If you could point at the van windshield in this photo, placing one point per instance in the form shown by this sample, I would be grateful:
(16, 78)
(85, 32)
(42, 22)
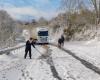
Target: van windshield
(43, 33)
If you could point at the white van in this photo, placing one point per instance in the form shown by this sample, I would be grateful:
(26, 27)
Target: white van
(42, 35)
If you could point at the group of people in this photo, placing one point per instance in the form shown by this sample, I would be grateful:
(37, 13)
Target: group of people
(32, 42)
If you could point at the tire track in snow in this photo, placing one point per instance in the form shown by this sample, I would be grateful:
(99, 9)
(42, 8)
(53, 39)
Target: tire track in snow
(84, 62)
(53, 69)
(51, 63)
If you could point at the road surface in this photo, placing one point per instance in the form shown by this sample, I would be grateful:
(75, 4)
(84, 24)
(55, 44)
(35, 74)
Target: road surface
(55, 64)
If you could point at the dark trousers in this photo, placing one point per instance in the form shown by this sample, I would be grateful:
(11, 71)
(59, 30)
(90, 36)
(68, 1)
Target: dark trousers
(26, 52)
(59, 45)
(62, 44)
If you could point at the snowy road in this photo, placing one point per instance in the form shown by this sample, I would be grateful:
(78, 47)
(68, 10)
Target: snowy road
(56, 65)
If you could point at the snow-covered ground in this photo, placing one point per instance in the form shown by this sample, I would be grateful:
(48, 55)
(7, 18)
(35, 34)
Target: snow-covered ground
(58, 65)
(15, 67)
(71, 69)
(89, 50)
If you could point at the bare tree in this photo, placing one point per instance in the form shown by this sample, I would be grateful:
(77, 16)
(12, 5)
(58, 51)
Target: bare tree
(96, 5)
(42, 21)
(7, 29)
(71, 6)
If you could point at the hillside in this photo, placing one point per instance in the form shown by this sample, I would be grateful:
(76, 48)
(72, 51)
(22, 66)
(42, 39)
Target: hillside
(8, 29)
(77, 26)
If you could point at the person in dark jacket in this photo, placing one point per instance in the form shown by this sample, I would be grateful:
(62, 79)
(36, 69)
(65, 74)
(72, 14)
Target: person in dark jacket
(28, 47)
(62, 40)
(59, 42)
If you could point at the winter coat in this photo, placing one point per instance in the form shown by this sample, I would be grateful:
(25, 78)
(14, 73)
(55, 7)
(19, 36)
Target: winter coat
(28, 45)
(62, 39)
